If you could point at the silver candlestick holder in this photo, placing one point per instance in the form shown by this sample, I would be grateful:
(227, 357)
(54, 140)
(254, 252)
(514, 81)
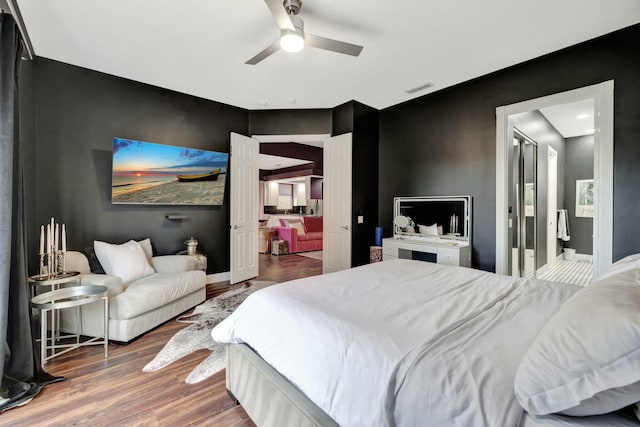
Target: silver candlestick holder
(60, 267)
(44, 271)
(52, 264)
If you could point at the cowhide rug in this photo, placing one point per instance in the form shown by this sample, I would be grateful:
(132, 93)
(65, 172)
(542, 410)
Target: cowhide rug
(198, 335)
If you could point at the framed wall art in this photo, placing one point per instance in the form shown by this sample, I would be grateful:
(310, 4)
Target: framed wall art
(584, 198)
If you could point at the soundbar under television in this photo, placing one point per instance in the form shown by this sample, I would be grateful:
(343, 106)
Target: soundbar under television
(158, 174)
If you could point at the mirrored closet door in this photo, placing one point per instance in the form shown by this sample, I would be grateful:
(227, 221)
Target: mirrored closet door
(523, 206)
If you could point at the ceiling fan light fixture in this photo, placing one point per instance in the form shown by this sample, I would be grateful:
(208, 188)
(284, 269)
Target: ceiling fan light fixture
(292, 41)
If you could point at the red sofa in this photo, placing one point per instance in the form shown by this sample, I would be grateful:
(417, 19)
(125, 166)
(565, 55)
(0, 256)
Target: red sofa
(311, 240)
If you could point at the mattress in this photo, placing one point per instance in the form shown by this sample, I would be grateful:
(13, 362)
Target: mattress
(272, 401)
(400, 342)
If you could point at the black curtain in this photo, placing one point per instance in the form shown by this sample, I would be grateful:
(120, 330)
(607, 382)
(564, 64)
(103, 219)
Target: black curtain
(22, 377)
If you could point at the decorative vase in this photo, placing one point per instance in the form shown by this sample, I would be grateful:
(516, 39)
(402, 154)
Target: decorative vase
(200, 259)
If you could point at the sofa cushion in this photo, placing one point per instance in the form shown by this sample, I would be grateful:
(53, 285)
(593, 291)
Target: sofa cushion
(316, 235)
(112, 283)
(313, 223)
(173, 263)
(127, 261)
(153, 291)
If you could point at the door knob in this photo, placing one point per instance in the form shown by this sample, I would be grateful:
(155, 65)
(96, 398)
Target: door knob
(235, 227)
(346, 227)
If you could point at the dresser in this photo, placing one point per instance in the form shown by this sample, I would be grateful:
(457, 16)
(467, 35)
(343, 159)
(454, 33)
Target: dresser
(441, 251)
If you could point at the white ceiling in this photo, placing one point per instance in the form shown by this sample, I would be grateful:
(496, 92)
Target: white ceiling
(269, 162)
(199, 47)
(572, 119)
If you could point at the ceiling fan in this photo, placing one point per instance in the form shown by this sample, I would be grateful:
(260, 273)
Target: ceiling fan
(292, 35)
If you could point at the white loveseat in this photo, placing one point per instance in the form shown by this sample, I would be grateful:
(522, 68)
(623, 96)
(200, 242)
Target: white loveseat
(140, 305)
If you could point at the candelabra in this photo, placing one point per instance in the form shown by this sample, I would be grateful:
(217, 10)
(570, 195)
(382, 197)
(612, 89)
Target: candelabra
(52, 264)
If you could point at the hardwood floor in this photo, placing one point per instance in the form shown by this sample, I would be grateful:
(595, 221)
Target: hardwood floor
(115, 391)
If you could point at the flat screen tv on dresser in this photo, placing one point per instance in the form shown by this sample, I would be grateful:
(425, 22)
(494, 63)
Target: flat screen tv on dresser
(431, 228)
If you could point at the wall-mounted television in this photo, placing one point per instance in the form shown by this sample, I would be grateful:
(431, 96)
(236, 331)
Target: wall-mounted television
(149, 173)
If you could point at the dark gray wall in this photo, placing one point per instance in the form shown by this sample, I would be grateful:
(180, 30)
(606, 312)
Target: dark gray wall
(536, 126)
(578, 165)
(444, 143)
(78, 112)
(290, 122)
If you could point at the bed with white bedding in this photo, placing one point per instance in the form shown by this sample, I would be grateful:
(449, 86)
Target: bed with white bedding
(396, 343)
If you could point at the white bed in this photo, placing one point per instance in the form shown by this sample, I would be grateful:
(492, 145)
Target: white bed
(401, 342)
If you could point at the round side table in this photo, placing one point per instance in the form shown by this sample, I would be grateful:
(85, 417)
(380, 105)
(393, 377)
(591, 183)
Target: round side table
(69, 278)
(54, 282)
(59, 299)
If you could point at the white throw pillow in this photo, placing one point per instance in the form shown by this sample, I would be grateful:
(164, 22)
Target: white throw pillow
(428, 230)
(298, 225)
(127, 261)
(146, 247)
(586, 358)
(629, 263)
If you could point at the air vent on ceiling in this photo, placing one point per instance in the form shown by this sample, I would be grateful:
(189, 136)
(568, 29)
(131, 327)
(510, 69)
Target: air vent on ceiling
(424, 86)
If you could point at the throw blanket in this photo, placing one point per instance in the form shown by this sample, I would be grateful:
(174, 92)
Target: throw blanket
(400, 342)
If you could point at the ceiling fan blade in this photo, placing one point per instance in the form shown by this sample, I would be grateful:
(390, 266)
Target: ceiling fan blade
(332, 45)
(281, 15)
(270, 50)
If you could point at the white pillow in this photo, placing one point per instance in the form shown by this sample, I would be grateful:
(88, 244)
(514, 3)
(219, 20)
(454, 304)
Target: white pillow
(298, 225)
(586, 358)
(146, 247)
(631, 262)
(428, 230)
(127, 261)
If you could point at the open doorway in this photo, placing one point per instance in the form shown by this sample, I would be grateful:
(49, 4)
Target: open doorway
(552, 232)
(291, 196)
(599, 227)
(336, 211)
(246, 209)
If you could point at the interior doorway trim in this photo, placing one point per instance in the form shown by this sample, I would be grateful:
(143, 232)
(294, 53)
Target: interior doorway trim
(602, 95)
(552, 205)
(309, 139)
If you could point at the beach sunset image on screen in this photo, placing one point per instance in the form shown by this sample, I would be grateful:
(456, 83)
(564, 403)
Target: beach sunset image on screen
(149, 173)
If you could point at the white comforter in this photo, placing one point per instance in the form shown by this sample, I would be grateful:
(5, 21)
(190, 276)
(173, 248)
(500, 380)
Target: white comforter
(400, 342)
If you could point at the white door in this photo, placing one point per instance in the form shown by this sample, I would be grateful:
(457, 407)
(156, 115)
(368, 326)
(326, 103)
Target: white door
(244, 207)
(337, 204)
(552, 207)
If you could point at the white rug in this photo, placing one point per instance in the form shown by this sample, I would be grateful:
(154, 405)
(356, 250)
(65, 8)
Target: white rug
(312, 254)
(198, 335)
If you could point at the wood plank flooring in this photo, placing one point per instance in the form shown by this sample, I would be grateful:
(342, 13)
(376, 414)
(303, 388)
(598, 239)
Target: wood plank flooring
(115, 391)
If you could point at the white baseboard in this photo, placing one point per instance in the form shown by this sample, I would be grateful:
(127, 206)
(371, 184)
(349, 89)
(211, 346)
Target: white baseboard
(542, 270)
(219, 277)
(578, 257)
